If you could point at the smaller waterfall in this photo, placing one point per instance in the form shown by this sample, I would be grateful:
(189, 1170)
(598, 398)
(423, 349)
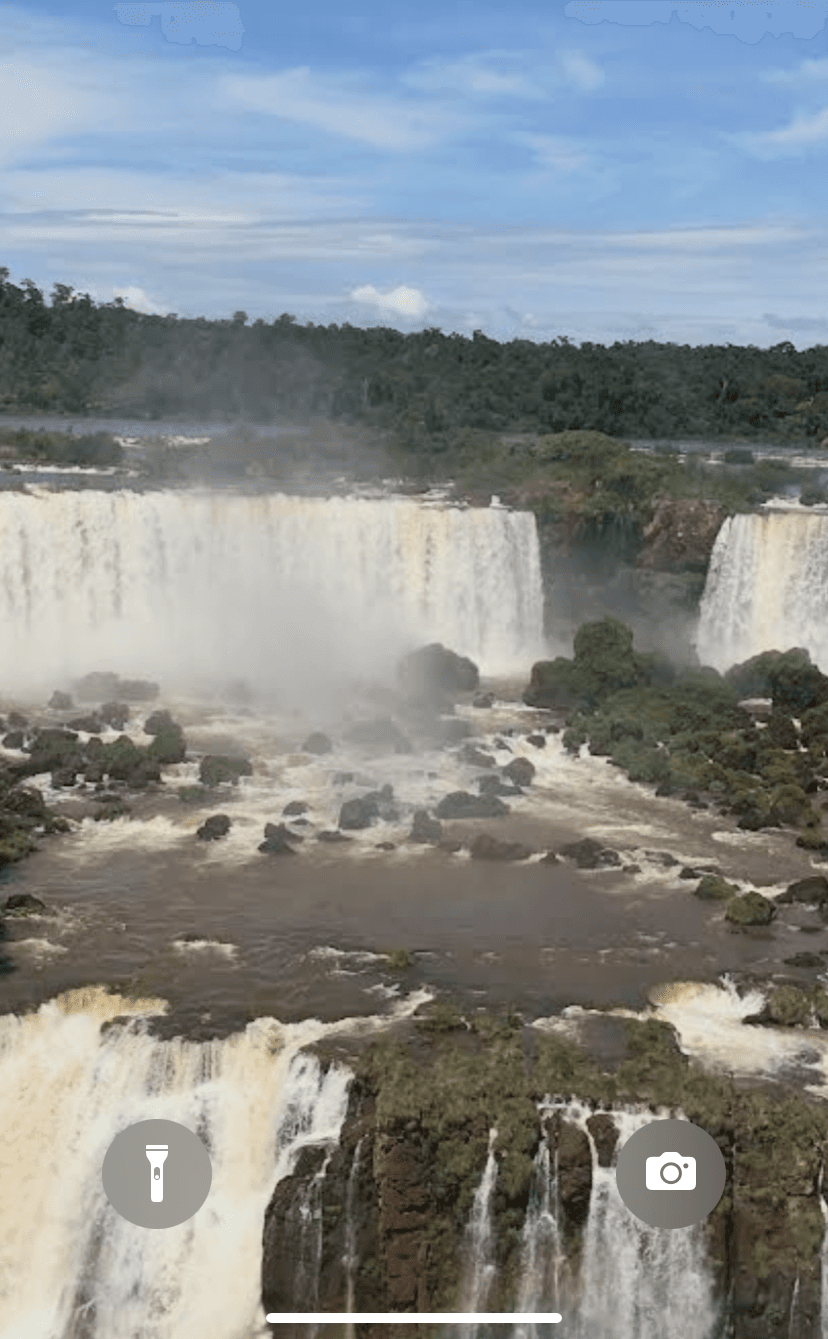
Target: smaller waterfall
(350, 1258)
(638, 1280)
(542, 1255)
(480, 1242)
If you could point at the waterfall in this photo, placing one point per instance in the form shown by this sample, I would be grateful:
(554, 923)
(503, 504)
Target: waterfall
(350, 1261)
(70, 1266)
(541, 1249)
(192, 587)
(766, 589)
(480, 1267)
(637, 1280)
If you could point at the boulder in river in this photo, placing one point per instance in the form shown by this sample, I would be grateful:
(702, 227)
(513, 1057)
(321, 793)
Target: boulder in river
(460, 804)
(487, 847)
(750, 909)
(435, 674)
(90, 724)
(475, 757)
(814, 889)
(492, 785)
(214, 827)
(425, 829)
(590, 854)
(358, 813)
(115, 714)
(711, 888)
(23, 904)
(520, 771)
(295, 807)
(278, 840)
(216, 768)
(483, 701)
(317, 743)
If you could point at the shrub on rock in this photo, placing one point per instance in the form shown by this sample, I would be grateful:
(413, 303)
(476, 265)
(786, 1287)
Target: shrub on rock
(460, 804)
(712, 888)
(168, 746)
(750, 909)
(216, 768)
(520, 771)
(812, 889)
(590, 854)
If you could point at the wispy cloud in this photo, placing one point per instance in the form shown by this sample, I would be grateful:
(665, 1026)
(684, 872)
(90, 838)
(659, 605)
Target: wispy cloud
(815, 70)
(330, 106)
(581, 71)
(401, 301)
(485, 74)
(42, 100)
(805, 131)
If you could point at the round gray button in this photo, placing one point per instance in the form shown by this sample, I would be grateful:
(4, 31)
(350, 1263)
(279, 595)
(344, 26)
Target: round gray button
(670, 1173)
(156, 1173)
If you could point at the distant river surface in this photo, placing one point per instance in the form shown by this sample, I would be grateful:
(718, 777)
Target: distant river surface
(128, 427)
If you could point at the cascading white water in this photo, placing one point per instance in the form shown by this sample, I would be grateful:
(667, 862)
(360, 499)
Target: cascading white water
(637, 1280)
(542, 1254)
(480, 1267)
(351, 1260)
(284, 592)
(70, 1266)
(766, 589)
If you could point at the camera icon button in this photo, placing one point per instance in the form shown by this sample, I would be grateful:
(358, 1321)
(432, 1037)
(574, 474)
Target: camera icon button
(670, 1173)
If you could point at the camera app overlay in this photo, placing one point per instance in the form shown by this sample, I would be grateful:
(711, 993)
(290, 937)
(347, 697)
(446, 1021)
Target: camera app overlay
(671, 1173)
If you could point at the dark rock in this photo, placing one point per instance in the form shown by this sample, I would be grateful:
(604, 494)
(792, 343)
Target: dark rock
(342, 778)
(60, 701)
(694, 872)
(18, 721)
(486, 847)
(64, 777)
(329, 835)
(434, 673)
(381, 733)
(605, 1134)
(550, 859)
(295, 807)
(537, 741)
(217, 768)
(385, 846)
(109, 812)
(475, 757)
(483, 701)
(91, 724)
(460, 804)
(23, 904)
(277, 840)
(425, 829)
(501, 744)
(158, 722)
(805, 960)
(94, 772)
(281, 830)
(750, 909)
(590, 854)
(492, 785)
(214, 827)
(812, 889)
(358, 813)
(317, 743)
(15, 739)
(681, 535)
(97, 687)
(115, 714)
(26, 801)
(662, 858)
(520, 771)
(451, 845)
(169, 746)
(713, 889)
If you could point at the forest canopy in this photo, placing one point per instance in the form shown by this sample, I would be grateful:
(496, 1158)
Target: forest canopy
(73, 355)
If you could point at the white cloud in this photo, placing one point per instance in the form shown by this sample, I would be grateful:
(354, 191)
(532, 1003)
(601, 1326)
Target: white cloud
(475, 74)
(581, 71)
(807, 69)
(805, 131)
(307, 99)
(555, 152)
(139, 300)
(44, 101)
(401, 301)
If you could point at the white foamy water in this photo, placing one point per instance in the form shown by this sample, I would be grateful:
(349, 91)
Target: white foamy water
(69, 1264)
(288, 593)
(766, 588)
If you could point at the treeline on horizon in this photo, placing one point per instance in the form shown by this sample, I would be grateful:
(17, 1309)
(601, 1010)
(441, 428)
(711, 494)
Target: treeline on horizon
(71, 355)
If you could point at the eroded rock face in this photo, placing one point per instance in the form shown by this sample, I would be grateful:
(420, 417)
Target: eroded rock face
(681, 535)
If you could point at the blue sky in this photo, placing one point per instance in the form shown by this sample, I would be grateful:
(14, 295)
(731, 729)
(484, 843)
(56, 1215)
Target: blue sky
(603, 169)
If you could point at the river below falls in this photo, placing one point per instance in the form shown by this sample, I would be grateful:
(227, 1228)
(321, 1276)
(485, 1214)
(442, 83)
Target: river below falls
(226, 934)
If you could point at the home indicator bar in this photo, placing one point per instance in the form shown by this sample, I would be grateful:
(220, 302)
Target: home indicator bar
(413, 1318)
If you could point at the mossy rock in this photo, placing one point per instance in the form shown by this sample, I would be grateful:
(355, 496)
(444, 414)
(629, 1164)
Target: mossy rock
(750, 909)
(712, 888)
(788, 1006)
(781, 731)
(16, 845)
(216, 768)
(556, 684)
